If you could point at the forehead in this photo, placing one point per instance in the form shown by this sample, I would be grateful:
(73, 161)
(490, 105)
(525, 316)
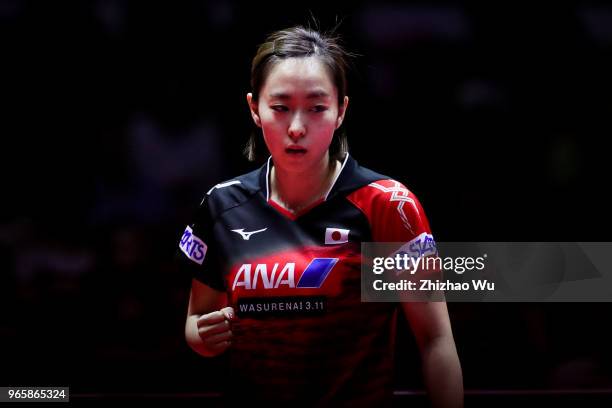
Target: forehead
(298, 75)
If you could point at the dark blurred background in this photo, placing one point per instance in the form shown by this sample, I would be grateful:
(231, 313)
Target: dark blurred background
(118, 116)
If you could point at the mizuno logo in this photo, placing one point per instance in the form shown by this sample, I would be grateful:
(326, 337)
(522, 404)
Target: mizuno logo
(247, 234)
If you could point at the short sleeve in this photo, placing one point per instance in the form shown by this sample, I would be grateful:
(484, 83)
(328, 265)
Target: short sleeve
(197, 253)
(394, 214)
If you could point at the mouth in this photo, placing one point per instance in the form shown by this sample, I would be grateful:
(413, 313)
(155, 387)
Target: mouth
(295, 150)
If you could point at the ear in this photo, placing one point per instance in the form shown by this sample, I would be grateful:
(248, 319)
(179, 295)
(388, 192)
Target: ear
(254, 109)
(342, 112)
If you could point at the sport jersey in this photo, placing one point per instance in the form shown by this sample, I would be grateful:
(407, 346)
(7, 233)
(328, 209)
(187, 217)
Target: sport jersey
(301, 332)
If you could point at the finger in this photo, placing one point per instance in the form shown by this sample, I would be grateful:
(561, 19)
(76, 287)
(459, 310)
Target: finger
(228, 312)
(211, 318)
(220, 327)
(219, 338)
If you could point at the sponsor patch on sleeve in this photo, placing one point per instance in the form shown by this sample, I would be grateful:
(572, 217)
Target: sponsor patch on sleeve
(420, 246)
(192, 246)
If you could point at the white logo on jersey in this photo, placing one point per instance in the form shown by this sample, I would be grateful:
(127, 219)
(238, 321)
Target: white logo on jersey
(246, 235)
(269, 281)
(336, 236)
(401, 195)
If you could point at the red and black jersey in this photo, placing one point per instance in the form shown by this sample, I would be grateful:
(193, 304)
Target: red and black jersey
(302, 333)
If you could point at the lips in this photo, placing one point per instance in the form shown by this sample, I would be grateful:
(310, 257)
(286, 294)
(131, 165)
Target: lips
(295, 149)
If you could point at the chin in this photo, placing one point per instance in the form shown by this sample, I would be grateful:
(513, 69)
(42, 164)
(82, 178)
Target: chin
(293, 166)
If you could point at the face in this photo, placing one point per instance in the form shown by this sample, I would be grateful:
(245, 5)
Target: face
(298, 112)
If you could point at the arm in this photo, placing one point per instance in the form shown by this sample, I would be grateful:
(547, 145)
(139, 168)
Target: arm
(430, 324)
(396, 215)
(208, 329)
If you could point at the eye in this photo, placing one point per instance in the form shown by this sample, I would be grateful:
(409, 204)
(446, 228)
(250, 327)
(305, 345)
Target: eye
(319, 108)
(279, 108)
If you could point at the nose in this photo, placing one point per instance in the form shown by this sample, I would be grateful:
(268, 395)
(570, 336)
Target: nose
(297, 127)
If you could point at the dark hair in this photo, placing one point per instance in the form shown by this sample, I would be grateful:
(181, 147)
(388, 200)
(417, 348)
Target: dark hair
(296, 42)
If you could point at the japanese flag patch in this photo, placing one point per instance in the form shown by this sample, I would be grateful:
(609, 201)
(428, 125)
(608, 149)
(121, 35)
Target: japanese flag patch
(336, 236)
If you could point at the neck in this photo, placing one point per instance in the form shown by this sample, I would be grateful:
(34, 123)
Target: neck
(298, 190)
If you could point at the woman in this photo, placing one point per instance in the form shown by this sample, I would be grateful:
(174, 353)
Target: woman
(275, 253)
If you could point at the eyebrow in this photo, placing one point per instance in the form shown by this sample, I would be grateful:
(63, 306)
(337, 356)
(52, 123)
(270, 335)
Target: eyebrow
(310, 95)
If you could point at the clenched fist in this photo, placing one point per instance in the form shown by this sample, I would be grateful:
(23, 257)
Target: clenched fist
(215, 330)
